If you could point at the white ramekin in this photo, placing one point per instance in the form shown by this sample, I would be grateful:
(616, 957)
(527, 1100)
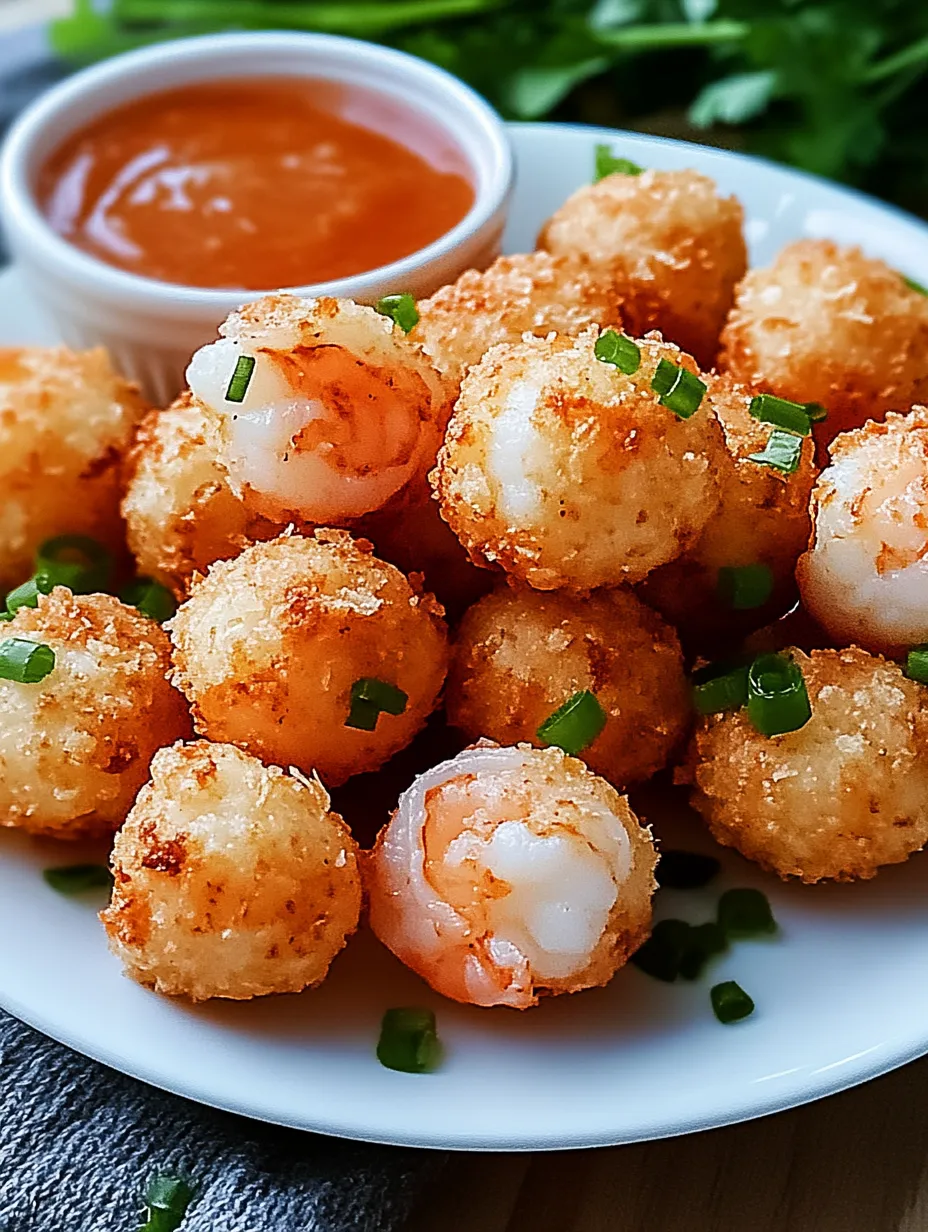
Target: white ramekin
(151, 328)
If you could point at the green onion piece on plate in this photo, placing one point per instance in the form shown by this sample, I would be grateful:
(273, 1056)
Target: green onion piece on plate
(914, 286)
(166, 1202)
(370, 698)
(782, 452)
(78, 878)
(916, 664)
(618, 350)
(150, 597)
(608, 163)
(743, 587)
(720, 687)
(730, 1002)
(745, 913)
(81, 564)
(409, 1041)
(793, 416)
(816, 412)
(662, 953)
(685, 870)
(575, 725)
(678, 388)
(25, 662)
(401, 309)
(27, 595)
(241, 378)
(777, 698)
(706, 941)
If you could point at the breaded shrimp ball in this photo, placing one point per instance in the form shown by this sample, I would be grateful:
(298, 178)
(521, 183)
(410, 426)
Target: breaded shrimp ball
(521, 654)
(830, 325)
(835, 800)
(567, 472)
(333, 410)
(509, 874)
(536, 293)
(270, 646)
(66, 418)
(673, 245)
(865, 575)
(232, 879)
(76, 746)
(762, 519)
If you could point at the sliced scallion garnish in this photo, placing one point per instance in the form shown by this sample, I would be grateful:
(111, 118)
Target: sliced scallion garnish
(401, 309)
(150, 597)
(618, 350)
(719, 687)
(241, 378)
(778, 701)
(25, 662)
(608, 163)
(575, 725)
(730, 1002)
(743, 587)
(27, 594)
(816, 412)
(914, 286)
(685, 870)
(705, 942)
(678, 389)
(662, 953)
(78, 878)
(409, 1041)
(370, 698)
(792, 416)
(78, 562)
(166, 1202)
(916, 664)
(782, 452)
(745, 913)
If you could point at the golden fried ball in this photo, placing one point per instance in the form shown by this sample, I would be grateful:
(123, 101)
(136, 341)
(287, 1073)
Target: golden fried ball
(76, 747)
(762, 519)
(521, 654)
(568, 473)
(65, 420)
(232, 879)
(536, 293)
(673, 245)
(835, 800)
(827, 324)
(181, 513)
(268, 647)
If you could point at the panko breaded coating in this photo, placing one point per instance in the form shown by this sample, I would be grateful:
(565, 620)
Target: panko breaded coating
(268, 647)
(66, 419)
(181, 513)
(520, 654)
(828, 324)
(535, 293)
(837, 799)
(232, 879)
(567, 472)
(762, 519)
(865, 575)
(673, 245)
(75, 748)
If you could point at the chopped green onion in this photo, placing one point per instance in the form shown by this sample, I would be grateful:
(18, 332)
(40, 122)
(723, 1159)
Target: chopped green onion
(166, 1202)
(782, 452)
(619, 350)
(685, 870)
(662, 953)
(75, 561)
(77, 878)
(401, 309)
(575, 725)
(6, 615)
(816, 412)
(150, 597)
(914, 286)
(730, 1002)
(678, 388)
(745, 913)
(369, 698)
(27, 595)
(705, 942)
(720, 687)
(777, 698)
(743, 587)
(608, 163)
(241, 378)
(409, 1041)
(25, 662)
(793, 416)
(916, 664)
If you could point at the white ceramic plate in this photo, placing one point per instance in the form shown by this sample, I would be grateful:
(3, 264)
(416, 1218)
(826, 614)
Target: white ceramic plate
(841, 995)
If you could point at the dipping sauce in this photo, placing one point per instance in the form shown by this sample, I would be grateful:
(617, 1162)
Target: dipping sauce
(256, 184)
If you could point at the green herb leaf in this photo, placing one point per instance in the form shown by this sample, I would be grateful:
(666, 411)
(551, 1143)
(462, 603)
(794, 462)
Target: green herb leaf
(72, 879)
(370, 698)
(401, 309)
(733, 100)
(166, 1202)
(608, 163)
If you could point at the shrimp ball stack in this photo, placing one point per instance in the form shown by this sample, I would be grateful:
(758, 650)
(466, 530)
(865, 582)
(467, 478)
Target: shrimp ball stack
(672, 244)
(865, 575)
(762, 523)
(65, 420)
(507, 874)
(322, 409)
(232, 879)
(834, 800)
(520, 655)
(827, 324)
(569, 472)
(536, 293)
(75, 746)
(273, 650)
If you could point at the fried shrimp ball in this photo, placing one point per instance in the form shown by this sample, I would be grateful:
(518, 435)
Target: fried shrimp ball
(334, 411)
(567, 472)
(509, 874)
(672, 244)
(521, 654)
(865, 575)
(269, 646)
(76, 747)
(762, 519)
(839, 798)
(65, 420)
(827, 324)
(232, 879)
(536, 293)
